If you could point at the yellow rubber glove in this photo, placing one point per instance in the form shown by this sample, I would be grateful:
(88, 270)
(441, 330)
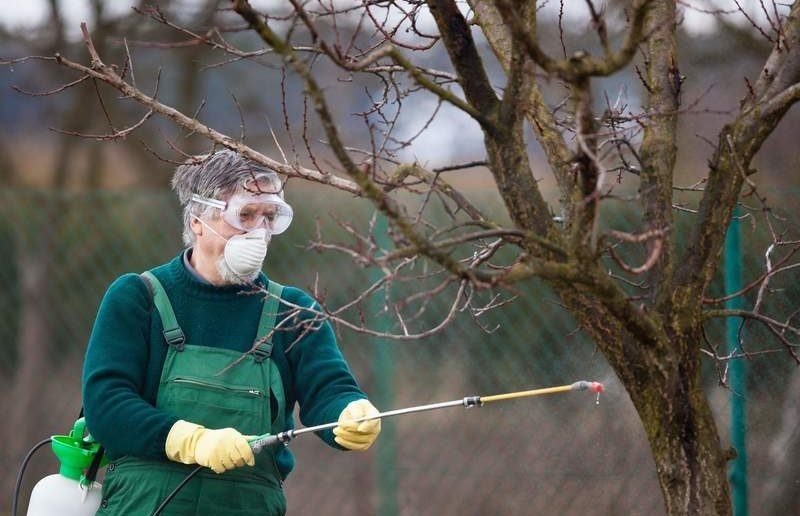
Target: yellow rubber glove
(219, 450)
(357, 435)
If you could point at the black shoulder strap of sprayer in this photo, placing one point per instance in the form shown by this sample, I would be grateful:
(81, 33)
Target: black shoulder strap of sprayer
(94, 466)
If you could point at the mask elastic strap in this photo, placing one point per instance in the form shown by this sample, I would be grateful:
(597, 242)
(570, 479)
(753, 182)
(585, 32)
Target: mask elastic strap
(201, 221)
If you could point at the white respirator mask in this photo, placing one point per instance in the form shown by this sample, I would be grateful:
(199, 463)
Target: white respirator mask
(244, 254)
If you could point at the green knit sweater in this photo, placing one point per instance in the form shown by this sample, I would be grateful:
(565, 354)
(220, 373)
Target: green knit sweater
(126, 353)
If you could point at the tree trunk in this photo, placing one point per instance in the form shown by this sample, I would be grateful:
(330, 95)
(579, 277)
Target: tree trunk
(690, 462)
(663, 379)
(668, 396)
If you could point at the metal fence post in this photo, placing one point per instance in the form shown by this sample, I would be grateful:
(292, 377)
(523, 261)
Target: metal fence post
(737, 369)
(386, 453)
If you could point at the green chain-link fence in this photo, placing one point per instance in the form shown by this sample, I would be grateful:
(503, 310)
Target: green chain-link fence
(562, 454)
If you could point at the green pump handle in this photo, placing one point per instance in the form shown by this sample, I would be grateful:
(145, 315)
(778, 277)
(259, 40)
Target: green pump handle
(76, 451)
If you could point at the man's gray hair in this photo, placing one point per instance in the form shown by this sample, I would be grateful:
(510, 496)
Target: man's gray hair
(216, 176)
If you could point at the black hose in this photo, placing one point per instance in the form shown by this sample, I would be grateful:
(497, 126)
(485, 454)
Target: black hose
(21, 473)
(175, 491)
(26, 460)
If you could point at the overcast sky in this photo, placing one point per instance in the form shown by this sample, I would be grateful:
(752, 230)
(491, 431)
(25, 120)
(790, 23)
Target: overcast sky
(29, 13)
(15, 13)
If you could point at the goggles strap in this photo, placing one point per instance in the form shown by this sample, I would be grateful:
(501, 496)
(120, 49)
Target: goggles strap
(209, 202)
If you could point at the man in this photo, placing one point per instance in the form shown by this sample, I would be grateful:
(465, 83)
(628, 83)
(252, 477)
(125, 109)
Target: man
(189, 360)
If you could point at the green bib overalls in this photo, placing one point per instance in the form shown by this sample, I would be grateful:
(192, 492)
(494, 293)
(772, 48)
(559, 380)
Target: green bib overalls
(216, 388)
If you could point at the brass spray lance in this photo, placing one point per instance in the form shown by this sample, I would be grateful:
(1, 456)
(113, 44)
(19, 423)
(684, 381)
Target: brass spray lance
(259, 442)
(285, 437)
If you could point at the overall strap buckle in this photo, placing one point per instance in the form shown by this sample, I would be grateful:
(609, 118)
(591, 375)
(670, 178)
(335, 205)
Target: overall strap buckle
(175, 338)
(262, 352)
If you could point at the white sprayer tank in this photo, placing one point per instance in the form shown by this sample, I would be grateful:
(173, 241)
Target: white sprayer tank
(69, 493)
(57, 495)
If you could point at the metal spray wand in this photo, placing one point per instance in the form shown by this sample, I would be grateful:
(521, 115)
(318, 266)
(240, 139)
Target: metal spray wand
(261, 441)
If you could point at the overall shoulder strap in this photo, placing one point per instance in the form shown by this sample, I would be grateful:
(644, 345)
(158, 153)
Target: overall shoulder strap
(269, 315)
(270, 309)
(172, 331)
(266, 329)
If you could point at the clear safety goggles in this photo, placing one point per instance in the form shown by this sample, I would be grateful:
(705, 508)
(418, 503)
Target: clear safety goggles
(247, 211)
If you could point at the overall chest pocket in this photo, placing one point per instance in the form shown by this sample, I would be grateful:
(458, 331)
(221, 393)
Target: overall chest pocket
(200, 385)
(215, 406)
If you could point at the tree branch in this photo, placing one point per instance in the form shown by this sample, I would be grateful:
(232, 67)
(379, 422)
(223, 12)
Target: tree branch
(534, 106)
(658, 150)
(467, 62)
(581, 65)
(365, 184)
(737, 144)
(106, 74)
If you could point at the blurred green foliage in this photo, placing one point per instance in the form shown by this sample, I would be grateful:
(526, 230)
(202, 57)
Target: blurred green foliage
(85, 240)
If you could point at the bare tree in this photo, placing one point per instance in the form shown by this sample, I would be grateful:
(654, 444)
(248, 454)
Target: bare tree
(648, 318)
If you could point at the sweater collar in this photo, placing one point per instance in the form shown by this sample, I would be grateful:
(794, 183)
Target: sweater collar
(196, 282)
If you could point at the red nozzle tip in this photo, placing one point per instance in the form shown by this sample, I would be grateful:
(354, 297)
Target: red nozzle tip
(596, 387)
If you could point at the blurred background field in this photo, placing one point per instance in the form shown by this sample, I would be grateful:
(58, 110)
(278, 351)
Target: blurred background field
(555, 454)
